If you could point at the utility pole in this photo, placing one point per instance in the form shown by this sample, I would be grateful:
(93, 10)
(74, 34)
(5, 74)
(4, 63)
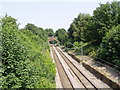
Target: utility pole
(82, 50)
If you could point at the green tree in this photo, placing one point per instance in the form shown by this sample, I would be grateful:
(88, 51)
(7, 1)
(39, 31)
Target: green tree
(78, 29)
(62, 35)
(105, 17)
(92, 29)
(49, 32)
(37, 30)
(110, 47)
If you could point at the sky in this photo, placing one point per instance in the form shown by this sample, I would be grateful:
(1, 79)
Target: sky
(53, 14)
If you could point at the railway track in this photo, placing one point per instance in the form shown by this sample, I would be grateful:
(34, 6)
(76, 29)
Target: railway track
(73, 75)
(63, 76)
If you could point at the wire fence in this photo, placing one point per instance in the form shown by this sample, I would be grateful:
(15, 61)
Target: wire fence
(104, 63)
(111, 66)
(113, 73)
(100, 61)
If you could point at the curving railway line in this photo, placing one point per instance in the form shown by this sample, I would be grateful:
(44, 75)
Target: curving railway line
(74, 75)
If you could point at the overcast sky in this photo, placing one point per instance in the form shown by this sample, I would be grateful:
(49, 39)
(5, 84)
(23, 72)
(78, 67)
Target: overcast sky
(53, 14)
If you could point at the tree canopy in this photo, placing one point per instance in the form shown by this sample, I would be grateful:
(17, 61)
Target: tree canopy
(98, 33)
(62, 35)
(50, 32)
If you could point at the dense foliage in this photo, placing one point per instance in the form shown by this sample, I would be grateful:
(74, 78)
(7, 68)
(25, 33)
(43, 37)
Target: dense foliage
(53, 42)
(49, 32)
(98, 33)
(62, 35)
(105, 17)
(110, 46)
(38, 31)
(78, 29)
(93, 28)
(25, 57)
(25, 52)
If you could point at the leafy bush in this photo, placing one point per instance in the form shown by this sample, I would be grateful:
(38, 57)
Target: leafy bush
(61, 35)
(90, 50)
(110, 46)
(49, 32)
(68, 44)
(53, 42)
(78, 45)
(25, 58)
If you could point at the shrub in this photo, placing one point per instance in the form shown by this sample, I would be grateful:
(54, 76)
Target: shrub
(53, 42)
(25, 58)
(110, 47)
(68, 44)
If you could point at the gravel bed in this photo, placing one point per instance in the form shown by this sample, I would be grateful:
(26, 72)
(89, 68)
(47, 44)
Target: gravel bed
(109, 72)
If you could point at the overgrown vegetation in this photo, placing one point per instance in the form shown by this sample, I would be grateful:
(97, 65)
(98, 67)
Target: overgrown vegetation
(25, 54)
(25, 57)
(110, 47)
(98, 33)
(49, 32)
(53, 42)
(62, 35)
